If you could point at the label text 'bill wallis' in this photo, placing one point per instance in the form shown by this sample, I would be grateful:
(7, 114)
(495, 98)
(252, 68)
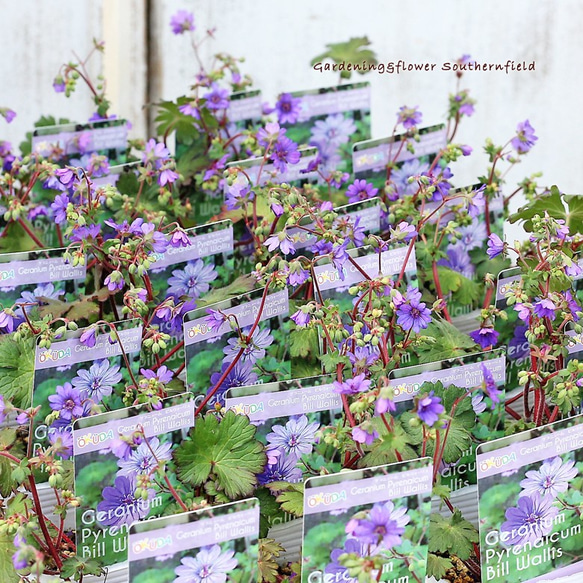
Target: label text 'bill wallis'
(398, 67)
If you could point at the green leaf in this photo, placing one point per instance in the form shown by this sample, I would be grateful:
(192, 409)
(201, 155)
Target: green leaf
(331, 360)
(243, 284)
(303, 342)
(226, 453)
(437, 566)
(551, 204)
(7, 572)
(170, 118)
(352, 51)
(17, 370)
(268, 567)
(385, 448)
(463, 289)
(7, 483)
(454, 535)
(449, 342)
(291, 497)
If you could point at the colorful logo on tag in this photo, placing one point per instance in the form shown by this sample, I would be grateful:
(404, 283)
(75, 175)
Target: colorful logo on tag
(94, 438)
(251, 409)
(198, 330)
(411, 389)
(7, 274)
(326, 498)
(151, 544)
(497, 461)
(54, 355)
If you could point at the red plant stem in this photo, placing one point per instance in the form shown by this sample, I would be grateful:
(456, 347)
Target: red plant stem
(409, 251)
(438, 290)
(43, 524)
(31, 234)
(512, 413)
(554, 414)
(169, 355)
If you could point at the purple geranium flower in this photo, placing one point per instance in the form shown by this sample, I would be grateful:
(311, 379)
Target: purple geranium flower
(6, 321)
(180, 238)
(192, 281)
(269, 133)
(360, 190)
(163, 375)
(525, 138)
(88, 337)
(182, 22)
(550, 479)
(217, 98)
(143, 461)
(285, 152)
(68, 401)
(301, 318)
(240, 375)
(361, 435)
(458, 259)
(334, 130)
(429, 408)
(489, 385)
(401, 176)
(363, 356)
(211, 565)
(358, 384)
(409, 116)
(288, 108)
(98, 381)
(297, 437)
(214, 320)
(495, 246)
(253, 350)
(545, 308)
(413, 315)
(283, 470)
(281, 240)
(484, 337)
(384, 525)
(59, 207)
(533, 519)
(120, 504)
(61, 441)
(44, 290)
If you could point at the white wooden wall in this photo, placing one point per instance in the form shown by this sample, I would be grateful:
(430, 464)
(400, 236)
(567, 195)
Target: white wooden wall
(278, 39)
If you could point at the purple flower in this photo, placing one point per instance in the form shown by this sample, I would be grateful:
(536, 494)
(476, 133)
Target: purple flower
(401, 178)
(154, 237)
(473, 235)
(478, 404)
(525, 137)
(545, 308)
(211, 565)
(429, 408)
(283, 470)
(167, 176)
(363, 356)
(179, 238)
(192, 281)
(8, 114)
(361, 435)
(339, 258)
(154, 152)
(85, 233)
(143, 461)
(353, 386)
(404, 232)
(413, 315)
(59, 207)
(533, 519)
(253, 350)
(288, 108)
(214, 320)
(495, 246)
(572, 305)
(484, 337)
(334, 130)
(384, 405)
(360, 190)
(241, 375)
(182, 22)
(59, 84)
(489, 385)
(120, 504)
(33, 298)
(61, 441)
(285, 152)
(301, 318)
(281, 240)
(409, 116)
(351, 545)
(297, 437)
(114, 281)
(68, 401)
(551, 479)
(217, 98)
(523, 311)
(98, 381)
(297, 275)
(269, 134)
(237, 194)
(6, 321)
(384, 525)
(66, 176)
(458, 259)
(163, 375)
